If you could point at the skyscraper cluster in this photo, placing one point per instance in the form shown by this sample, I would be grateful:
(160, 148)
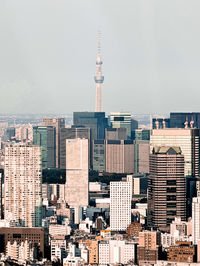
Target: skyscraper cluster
(101, 190)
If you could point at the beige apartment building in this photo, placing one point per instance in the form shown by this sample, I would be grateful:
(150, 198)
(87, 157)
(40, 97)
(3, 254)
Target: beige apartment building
(23, 184)
(77, 168)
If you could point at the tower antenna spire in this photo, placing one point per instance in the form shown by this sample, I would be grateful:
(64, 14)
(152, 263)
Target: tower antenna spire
(99, 42)
(98, 78)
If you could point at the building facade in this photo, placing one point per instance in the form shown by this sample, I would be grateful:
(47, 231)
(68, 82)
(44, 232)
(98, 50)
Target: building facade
(121, 120)
(71, 133)
(58, 123)
(120, 205)
(185, 138)
(177, 120)
(99, 155)
(96, 121)
(166, 187)
(141, 156)
(45, 137)
(23, 184)
(77, 172)
(119, 156)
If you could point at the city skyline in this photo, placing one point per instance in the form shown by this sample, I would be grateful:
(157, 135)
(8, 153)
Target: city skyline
(47, 62)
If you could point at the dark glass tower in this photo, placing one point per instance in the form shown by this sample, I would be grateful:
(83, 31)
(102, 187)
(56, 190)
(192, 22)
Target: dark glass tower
(179, 119)
(96, 121)
(46, 138)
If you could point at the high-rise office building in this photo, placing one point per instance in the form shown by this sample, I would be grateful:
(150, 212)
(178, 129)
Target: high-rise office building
(120, 205)
(99, 155)
(177, 120)
(196, 220)
(58, 123)
(77, 167)
(121, 120)
(119, 156)
(71, 133)
(46, 138)
(23, 184)
(141, 156)
(166, 187)
(188, 139)
(96, 121)
(116, 133)
(141, 134)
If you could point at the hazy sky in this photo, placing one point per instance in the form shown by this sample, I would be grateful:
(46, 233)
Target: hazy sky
(150, 52)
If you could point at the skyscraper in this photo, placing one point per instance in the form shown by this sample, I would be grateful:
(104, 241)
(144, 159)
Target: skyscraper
(46, 138)
(166, 187)
(23, 183)
(141, 156)
(71, 133)
(99, 78)
(58, 123)
(96, 121)
(188, 139)
(77, 167)
(179, 119)
(120, 205)
(99, 155)
(119, 156)
(121, 120)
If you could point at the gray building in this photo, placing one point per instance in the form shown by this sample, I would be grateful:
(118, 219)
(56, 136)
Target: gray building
(116, 133)
(119, 156)
(178, 119)
(141, 156)
(96, 121)
(45, 137)
(99, 155)
(58, 123)
(71, 133)
(122, 120)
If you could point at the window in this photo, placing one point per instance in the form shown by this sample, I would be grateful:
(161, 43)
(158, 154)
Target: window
(171, 205)
(171, 182)
(171, 213)
(171, 189)
(171, 197)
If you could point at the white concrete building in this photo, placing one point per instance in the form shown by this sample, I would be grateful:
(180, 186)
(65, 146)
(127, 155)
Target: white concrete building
(58, 248)
(77, 168)
(57, 229)
(86, 225)
(23, 181)
(21, 252)
(120, 205)
(104, 253)
(196, 220)
(116, 251)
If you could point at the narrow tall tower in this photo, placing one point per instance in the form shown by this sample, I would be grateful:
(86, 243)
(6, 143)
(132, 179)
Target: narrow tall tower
(98, 78)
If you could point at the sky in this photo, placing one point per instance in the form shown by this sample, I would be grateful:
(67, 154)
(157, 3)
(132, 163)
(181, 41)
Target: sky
(150, 52)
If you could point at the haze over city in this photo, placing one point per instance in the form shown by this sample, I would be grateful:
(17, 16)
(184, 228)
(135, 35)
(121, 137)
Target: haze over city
(150, 53)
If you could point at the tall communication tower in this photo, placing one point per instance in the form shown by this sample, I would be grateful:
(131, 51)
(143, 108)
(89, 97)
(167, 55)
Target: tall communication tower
(98, 78)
